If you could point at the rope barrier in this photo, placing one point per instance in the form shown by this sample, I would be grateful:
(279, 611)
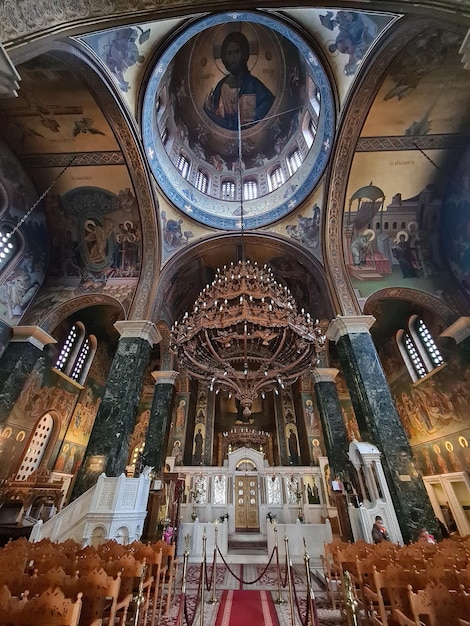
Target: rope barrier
(241, 580)
(206, 582)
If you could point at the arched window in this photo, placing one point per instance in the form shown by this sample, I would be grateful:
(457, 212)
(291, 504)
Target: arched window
(69, 348)
(294, 161)
(228, 190)
(7, 247)
(427, 341)
(77, 353)
(276, 179)
(36, 448)
(11, 246)
(164, 135)
(418, 349)
(250, 189)
(313, 126)
(202, 181)
(183, 165)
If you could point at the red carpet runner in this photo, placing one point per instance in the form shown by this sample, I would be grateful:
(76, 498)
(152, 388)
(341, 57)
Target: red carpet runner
(240, 608)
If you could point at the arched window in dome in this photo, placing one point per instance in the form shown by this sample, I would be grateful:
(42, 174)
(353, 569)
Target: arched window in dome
(11, 246)
(77, 353)
(164, 135)
(202, 181)
(294, 161)
(228, 190)
(309, 129)
(276, 178)
(250, 189)
(183, 165)
(418, 349)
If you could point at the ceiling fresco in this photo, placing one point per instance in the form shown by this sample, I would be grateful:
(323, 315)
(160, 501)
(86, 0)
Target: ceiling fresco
(191, 126)
(414, 128)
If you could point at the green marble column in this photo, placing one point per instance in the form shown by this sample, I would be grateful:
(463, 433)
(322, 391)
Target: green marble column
(24, 352)
(156, 440)
(108, 447)
(379, 422)
(334, 430)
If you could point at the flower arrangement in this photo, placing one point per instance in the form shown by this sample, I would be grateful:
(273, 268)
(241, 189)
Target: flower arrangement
(223, 517)
(271, 517)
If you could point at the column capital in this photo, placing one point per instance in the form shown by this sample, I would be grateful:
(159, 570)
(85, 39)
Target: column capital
(348, 325)
(138, 329)
(33, 335)
(325, 374)
(168, 377)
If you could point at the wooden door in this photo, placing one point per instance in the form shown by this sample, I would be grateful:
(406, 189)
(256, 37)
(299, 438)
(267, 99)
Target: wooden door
(246, 503)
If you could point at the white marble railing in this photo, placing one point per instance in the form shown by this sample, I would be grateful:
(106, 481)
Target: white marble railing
(191, 536)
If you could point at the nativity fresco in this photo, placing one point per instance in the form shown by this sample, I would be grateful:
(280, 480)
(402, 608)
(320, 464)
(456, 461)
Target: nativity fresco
(104, 235)
(95, 230)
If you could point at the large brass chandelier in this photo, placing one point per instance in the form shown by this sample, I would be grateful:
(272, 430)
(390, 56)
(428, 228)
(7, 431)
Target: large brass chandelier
(245, 335)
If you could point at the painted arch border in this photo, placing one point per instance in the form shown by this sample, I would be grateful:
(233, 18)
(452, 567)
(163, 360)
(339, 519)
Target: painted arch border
(171, 182)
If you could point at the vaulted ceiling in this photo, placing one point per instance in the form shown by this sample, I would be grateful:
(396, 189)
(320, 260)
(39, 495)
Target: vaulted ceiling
(400, 96)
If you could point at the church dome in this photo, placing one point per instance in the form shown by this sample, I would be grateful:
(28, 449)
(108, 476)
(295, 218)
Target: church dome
(238, 107)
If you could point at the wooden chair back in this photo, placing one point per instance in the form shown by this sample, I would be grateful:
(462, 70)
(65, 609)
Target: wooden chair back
(51, 608)
(100, 597)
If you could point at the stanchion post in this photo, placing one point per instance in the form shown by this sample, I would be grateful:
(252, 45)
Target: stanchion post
(203, 578)
(185, 563)
(213, 599)
(312, 606)
(139, 598)
(291, 599)
(350, 600)
(180, 618)
(279, 599)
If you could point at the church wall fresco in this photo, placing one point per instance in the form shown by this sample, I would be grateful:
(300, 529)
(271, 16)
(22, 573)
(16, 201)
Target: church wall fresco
(46, 391)
(434, 415)
(456, 223)
(26, 270)
(414, 127)
(93, 217)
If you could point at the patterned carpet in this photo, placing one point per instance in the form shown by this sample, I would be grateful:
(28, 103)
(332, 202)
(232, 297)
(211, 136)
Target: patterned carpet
(253, 577)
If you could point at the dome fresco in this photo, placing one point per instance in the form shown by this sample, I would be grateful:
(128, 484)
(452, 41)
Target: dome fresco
(238, 106)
